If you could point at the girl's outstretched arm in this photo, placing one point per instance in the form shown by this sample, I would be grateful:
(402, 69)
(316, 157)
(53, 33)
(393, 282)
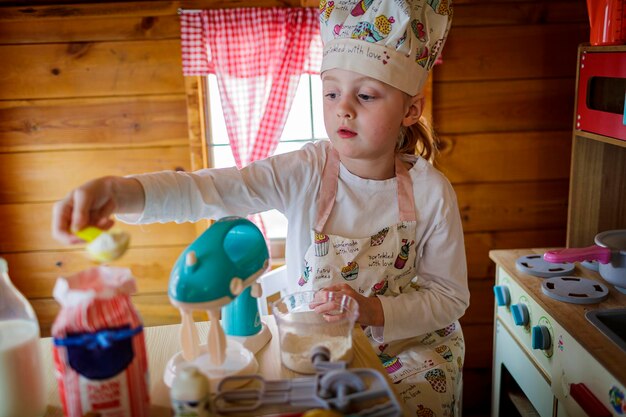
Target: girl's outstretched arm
(93, 204)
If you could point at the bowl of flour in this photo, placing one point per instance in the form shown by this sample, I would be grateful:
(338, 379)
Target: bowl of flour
(309, 319)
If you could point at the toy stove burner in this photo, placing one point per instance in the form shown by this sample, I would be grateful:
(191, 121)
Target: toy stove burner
(575, 290)
(537, 266)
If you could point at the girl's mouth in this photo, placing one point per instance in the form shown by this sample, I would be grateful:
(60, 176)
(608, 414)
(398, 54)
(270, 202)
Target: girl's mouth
(345, 133)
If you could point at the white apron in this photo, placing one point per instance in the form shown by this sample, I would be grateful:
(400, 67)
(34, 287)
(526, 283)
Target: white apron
(426, 369)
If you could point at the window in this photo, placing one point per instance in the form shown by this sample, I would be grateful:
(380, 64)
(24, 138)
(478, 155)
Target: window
(305, 123)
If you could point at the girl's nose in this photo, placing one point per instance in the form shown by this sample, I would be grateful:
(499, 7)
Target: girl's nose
(344, 115)
(345, 109)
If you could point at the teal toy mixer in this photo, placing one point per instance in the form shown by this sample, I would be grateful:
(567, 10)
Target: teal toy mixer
(218, 273)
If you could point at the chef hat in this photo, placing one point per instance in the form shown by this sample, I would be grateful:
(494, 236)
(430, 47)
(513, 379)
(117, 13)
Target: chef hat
(393, 41)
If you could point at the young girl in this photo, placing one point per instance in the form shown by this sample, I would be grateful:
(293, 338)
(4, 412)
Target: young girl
(367, 216)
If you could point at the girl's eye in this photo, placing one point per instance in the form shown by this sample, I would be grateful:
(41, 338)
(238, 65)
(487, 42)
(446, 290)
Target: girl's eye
(330, 95)
(366, 97)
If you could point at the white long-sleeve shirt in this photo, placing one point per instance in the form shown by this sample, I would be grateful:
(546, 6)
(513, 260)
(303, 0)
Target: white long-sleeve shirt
(289, 183)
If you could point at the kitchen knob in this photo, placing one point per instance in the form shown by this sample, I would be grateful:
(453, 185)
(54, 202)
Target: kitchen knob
(503, 296)
(520, 314)
(540, 336)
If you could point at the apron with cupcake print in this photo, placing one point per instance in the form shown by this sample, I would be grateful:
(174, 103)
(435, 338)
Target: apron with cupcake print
(426, 369)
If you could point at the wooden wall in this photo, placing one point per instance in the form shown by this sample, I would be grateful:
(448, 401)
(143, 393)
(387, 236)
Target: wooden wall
(94, 89)
(503, 106)
(87, 90)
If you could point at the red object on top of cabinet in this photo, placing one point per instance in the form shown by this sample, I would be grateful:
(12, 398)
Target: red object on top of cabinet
(608, 21)
(601, 92)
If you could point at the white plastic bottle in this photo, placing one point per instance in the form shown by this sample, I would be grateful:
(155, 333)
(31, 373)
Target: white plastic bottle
(22, 384)
(190, 393)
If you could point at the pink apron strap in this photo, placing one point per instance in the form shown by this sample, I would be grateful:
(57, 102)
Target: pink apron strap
(406, 198)
(328, 191)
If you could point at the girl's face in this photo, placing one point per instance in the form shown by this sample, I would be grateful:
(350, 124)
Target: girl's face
(363, 116)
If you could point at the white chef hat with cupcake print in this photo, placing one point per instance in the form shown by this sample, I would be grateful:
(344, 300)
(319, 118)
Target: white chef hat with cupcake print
(394, 41)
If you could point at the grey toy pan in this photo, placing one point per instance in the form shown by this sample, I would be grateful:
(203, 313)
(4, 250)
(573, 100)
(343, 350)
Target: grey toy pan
(609, 251)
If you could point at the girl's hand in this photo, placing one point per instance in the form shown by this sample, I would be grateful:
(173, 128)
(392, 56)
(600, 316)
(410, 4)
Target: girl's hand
(93, 204)
(370, 308)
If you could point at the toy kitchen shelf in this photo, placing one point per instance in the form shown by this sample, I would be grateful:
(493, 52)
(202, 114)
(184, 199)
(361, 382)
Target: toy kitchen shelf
(597, 198)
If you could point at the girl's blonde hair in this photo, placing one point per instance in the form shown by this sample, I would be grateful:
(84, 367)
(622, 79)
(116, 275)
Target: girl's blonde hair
(419, 138)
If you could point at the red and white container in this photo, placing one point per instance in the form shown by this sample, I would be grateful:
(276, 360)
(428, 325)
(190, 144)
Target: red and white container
(99, 348)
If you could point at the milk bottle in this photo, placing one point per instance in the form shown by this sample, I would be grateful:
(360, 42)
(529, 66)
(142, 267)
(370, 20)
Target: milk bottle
(22, 389)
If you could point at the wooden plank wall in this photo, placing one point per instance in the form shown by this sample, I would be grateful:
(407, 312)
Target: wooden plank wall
(86, 91)
(94, 89)
(503, 107)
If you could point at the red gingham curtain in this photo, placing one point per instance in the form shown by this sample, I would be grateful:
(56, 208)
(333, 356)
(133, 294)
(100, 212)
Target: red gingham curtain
(258, 56)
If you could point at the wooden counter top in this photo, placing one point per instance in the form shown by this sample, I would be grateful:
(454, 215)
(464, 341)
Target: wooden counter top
(163, 341)
(572, 316)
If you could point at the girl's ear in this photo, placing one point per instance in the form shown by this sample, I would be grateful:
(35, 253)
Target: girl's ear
(414, 110)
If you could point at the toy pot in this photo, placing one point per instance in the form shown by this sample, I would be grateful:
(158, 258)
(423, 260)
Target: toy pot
(609, 251)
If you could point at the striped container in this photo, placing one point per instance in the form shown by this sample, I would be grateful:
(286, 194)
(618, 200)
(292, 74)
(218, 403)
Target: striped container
(99, 349)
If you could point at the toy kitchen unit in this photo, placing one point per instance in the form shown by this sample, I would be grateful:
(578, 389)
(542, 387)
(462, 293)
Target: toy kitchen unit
(551, 354)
